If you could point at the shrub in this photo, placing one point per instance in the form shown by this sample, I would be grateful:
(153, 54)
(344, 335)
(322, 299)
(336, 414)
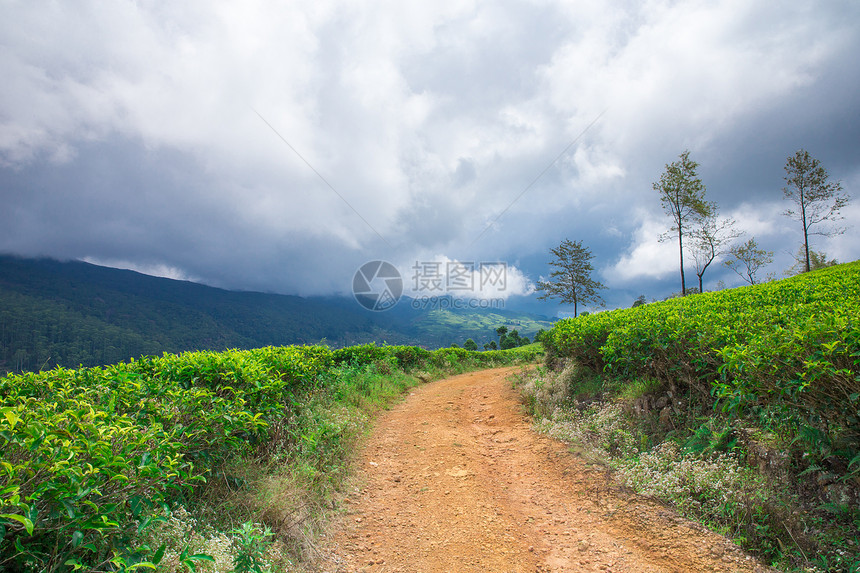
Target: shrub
(790, 346)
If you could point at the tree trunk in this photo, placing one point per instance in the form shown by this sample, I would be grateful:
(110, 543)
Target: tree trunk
(681, 249)
(805, 232)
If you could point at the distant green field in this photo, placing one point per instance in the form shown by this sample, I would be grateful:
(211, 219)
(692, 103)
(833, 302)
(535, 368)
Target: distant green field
(479, 326)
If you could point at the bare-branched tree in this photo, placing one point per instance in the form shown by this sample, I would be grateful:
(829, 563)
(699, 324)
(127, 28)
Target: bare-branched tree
(710, 240)
(748, 260)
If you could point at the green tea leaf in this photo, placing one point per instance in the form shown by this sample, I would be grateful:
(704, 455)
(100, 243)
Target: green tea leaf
(28, 525)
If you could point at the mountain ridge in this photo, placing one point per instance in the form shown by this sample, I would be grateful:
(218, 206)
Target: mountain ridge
(73, 313)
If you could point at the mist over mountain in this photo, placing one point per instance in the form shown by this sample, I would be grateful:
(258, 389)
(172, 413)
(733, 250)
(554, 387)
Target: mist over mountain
(75, 313)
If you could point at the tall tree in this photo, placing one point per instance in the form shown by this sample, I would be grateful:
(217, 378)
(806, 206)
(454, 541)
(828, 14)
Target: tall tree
(816, 199)
(682, 195)
(748, 259)
(571, 280)
(710, 239)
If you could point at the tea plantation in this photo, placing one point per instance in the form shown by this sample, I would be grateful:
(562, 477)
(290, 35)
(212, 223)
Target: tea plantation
(92, 459)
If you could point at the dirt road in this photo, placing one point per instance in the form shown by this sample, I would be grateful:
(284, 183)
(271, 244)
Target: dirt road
(453, 480)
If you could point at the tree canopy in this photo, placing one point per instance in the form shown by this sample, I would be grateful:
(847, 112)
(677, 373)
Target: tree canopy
(571, 280)
(748, 260)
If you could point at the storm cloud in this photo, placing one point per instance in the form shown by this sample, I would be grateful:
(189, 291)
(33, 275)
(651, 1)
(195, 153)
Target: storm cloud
(277, 146)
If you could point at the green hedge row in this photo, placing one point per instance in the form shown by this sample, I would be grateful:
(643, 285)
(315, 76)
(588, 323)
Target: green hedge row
(788, 347)
(413, 357)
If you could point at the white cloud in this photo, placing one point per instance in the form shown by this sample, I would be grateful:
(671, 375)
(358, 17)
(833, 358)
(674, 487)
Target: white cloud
(482, 280)
(761, 219)
(154, 270)
(646, 256)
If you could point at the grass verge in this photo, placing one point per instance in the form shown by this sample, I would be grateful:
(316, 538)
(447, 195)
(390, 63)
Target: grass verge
(730, 474)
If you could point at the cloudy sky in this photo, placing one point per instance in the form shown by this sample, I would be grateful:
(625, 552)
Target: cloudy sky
(278, 146)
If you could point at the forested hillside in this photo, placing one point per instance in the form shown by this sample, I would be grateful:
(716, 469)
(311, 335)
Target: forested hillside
(74, 313)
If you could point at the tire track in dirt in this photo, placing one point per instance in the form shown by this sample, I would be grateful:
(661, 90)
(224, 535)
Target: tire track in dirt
(454, 480)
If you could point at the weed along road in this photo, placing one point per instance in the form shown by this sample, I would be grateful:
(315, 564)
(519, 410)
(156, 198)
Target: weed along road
(452, 479)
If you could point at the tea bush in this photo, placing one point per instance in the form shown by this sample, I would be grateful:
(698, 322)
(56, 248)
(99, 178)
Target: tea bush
(790, 347)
